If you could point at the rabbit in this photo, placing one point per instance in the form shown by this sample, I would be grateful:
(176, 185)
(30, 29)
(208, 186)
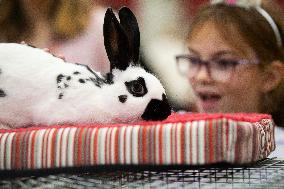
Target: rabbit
(38, 88)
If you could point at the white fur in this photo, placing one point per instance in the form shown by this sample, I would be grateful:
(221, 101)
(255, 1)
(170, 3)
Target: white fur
(29, 80)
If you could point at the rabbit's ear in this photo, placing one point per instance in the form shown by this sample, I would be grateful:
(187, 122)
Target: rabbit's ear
(129, 23)
(116, 42)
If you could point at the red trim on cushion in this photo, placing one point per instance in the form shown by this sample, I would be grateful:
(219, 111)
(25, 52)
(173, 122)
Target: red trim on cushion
(173, 118)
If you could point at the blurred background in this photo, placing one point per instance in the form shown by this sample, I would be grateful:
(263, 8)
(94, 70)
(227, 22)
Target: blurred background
(73, 28)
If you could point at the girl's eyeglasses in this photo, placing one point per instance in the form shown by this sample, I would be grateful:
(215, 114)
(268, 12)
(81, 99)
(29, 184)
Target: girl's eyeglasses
(218, 69)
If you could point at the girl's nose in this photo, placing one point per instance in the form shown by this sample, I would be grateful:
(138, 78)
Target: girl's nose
(203, 74)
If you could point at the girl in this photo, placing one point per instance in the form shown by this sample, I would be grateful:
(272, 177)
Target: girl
(234, 59)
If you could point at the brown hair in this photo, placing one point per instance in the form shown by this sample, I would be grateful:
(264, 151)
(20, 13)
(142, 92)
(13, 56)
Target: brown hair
(66, 18)
(257, 33)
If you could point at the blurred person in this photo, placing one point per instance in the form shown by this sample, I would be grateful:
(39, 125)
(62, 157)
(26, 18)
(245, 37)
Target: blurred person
(162, 37)
(234, 60)
(71, 28)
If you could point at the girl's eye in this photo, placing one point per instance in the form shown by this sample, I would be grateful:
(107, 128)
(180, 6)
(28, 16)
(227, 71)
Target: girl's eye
(194, 60)
(225, 64)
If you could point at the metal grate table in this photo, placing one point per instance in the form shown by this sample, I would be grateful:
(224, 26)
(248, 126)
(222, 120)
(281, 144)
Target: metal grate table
(268, 173)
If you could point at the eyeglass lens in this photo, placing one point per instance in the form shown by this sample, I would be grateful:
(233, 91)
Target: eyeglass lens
(220, 70)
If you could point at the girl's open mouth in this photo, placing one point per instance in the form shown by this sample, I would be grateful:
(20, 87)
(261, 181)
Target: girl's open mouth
(209, 101)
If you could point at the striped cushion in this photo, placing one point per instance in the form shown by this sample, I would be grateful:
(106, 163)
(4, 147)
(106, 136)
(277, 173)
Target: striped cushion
(190, 139)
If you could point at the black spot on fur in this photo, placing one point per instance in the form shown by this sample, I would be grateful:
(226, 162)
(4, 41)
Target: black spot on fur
(98, 79)
(96, 82)
(60, 96)
(137, 87)
(59, 78)
(76, 73)
(31, 45)
(62, 81)
(122, 98)
(157, 109)
(2, 93)
(82, 81)
(109, 78)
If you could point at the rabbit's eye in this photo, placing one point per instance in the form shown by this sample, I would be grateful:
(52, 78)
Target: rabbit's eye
(137, 87)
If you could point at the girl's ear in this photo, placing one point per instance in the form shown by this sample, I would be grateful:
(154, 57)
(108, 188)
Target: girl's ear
(273, 75)
(116, 42)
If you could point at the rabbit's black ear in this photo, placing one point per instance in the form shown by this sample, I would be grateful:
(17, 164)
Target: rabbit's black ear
(116, 42)
(130, 25)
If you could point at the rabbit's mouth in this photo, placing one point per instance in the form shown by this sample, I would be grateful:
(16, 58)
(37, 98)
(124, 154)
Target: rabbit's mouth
(157, 110)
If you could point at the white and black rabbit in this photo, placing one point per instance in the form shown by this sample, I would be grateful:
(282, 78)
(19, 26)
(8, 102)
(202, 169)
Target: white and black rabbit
(39, 88)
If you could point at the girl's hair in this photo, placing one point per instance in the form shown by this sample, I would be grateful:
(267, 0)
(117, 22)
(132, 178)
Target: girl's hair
(66, 18)
(256, 32)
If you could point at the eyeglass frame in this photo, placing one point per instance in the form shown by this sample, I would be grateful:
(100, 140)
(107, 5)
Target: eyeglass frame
(207, 64)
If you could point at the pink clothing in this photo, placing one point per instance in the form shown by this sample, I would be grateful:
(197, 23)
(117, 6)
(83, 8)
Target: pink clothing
(88, 47)
(231, 2)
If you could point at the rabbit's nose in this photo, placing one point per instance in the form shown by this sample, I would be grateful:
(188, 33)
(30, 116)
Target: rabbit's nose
(157, 109)
(122, 98)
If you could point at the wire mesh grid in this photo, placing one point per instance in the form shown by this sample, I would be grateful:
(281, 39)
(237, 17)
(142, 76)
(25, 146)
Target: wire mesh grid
(268, 173)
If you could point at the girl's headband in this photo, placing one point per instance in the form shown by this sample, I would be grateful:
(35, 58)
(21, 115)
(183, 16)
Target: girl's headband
(257, 5)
